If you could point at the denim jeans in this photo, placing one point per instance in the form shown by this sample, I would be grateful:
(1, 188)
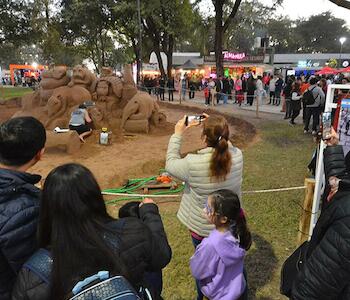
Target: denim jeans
(200, 296)
(225, 98)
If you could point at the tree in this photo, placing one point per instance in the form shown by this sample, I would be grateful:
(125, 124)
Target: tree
(91, 30)
(165, 22)
(221, 26)
(320, 33)
(342, 3)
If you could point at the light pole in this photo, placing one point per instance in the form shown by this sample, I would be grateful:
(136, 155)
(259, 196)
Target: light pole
(342, 41)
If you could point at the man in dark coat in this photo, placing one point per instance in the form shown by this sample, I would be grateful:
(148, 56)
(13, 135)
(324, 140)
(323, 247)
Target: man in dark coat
(22, 142)
(326, 271)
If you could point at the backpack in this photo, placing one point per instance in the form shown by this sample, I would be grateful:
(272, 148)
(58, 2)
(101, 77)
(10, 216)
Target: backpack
(308, 97)
(99, 286)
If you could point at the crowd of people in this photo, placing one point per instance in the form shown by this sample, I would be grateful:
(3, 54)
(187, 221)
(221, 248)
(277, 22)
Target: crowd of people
(53, 238)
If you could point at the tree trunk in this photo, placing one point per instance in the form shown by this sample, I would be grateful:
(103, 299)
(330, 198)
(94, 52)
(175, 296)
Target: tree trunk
(169, 55)
(159, 58)
(219, 37)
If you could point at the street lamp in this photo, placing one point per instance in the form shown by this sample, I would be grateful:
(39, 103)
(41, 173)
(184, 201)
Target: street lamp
(342, 41)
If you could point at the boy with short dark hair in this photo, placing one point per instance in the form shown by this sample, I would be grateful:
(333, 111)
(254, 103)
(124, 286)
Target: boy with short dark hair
(22, 142)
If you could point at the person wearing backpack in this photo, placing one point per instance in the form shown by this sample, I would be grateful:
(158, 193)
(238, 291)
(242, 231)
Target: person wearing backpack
(81, 238)
(313, 98)
(325, 269)
(22, 142)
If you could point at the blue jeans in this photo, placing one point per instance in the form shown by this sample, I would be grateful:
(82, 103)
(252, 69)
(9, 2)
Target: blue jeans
(200, 296)
(183, 92)
(225, 98)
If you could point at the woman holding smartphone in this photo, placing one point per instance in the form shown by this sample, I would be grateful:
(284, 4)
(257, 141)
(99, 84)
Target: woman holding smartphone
(218, 166)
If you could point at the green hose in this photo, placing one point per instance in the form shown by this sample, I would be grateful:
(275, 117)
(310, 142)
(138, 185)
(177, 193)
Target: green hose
(134, 184)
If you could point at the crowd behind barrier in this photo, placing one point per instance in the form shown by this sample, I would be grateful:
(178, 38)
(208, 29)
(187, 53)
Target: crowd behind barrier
(78, 239)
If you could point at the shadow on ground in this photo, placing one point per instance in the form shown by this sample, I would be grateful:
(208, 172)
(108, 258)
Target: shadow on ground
(260, 264)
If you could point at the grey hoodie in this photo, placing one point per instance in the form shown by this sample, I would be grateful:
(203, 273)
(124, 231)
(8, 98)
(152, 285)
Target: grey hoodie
(318, 94)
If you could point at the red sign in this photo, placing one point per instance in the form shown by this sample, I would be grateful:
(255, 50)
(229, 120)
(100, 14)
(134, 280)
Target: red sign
(234, 56)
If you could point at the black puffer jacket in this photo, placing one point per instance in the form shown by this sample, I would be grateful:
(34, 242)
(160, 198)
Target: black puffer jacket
(19, 209)
(143, 247)
(326, 272)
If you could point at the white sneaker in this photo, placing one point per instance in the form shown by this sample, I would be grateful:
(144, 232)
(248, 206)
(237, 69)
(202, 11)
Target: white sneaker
(306, 131)
(314, 132)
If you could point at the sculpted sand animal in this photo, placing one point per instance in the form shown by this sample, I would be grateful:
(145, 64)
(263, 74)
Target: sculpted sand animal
(140, 107)
(52, 79)
(62, 99)
(82, 77)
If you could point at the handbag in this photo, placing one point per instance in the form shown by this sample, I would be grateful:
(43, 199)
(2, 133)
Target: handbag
(291, 267)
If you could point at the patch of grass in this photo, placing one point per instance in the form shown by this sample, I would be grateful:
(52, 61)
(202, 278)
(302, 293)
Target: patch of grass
(9, 92)
(278, 159)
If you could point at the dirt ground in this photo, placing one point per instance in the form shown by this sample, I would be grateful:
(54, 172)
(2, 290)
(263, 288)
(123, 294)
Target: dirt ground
(136, 155)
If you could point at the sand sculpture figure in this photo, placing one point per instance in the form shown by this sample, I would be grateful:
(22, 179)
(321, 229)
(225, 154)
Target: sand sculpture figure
(118, 103)
(52, 79)
(82, 77)
(137, 114)
(63, 100)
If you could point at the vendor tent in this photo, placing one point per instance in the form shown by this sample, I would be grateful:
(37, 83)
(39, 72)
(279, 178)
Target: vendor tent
(188, 65)
(345, 70)
(327, 71)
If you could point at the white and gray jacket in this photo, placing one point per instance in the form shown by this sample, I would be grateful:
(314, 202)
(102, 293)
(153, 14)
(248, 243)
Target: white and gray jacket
(194, 170)
(318, 94)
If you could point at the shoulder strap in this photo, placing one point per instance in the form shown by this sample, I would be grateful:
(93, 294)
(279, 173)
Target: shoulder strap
(40, 263)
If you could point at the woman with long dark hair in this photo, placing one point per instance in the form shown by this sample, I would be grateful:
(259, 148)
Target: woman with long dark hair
(218, 166)
(83, 239)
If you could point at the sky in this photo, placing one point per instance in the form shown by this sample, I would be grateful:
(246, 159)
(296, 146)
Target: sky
(299, 8)
(305, 8)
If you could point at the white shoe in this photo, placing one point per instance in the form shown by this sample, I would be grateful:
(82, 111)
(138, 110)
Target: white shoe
(306, 131)
(314, 132)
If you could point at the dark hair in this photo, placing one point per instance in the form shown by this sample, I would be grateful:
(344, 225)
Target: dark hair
(296, 87)
(226, 204)
(20, 140)
(313, 80)
(217, 133)
(82, 106)
(72, 224)
(130, 209)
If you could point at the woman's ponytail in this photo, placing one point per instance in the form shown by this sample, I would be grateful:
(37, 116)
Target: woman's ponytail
(217, 135)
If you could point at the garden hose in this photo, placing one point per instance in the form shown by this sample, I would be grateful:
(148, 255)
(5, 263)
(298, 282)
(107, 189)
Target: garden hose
(134, 184)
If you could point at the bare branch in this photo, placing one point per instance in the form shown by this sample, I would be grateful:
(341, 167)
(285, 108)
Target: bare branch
(232, 15)
(341, 3)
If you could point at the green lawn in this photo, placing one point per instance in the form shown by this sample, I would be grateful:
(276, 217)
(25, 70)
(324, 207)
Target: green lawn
(9, 92)
(278, 159)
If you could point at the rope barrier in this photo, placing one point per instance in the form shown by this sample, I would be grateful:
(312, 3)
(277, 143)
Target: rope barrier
(127, 194)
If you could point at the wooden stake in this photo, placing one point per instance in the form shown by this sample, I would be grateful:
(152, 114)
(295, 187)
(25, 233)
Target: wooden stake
(304, 223)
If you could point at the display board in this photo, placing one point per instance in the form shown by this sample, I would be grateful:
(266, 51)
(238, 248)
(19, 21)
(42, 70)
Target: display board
(344, 119)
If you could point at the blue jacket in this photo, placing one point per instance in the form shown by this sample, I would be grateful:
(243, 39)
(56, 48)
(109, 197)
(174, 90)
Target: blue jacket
(19, 210)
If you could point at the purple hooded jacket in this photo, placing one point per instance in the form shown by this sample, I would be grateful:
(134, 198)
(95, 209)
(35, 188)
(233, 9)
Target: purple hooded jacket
(218, 265)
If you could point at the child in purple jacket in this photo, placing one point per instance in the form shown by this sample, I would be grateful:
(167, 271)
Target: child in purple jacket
(218, 260)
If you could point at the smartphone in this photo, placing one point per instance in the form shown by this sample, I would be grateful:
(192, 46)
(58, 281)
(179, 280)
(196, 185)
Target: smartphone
(190, 119)
(326, 125)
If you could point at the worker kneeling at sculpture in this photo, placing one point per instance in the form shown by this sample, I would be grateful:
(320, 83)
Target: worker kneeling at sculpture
(78, 120)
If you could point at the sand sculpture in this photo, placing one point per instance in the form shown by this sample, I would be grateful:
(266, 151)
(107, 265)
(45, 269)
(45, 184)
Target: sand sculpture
(52, 79)
(118, 103)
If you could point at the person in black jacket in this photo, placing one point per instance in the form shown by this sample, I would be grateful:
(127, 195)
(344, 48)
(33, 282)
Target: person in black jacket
(326, 271)
(83, 239)
(171, 88)
(22, 143)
